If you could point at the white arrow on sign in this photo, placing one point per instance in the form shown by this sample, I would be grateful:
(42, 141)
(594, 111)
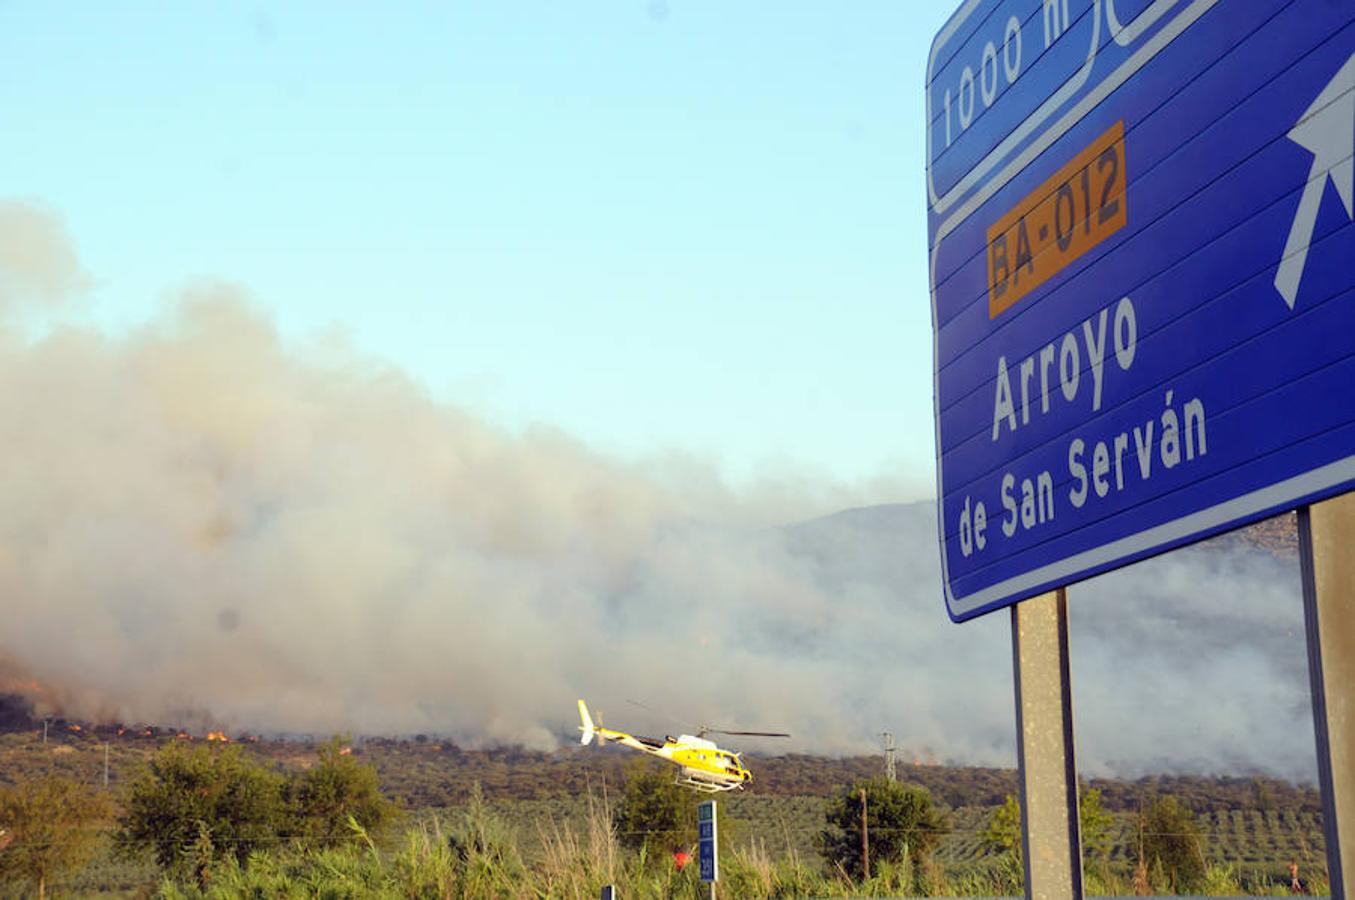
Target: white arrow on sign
(1326, 130)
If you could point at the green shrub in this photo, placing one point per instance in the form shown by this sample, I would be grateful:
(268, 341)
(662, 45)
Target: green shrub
(338, 787)
(655, 814)
(193, 807)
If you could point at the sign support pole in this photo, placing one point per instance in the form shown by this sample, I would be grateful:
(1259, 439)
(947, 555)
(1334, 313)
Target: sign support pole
(1325, 556)
(1050, 834)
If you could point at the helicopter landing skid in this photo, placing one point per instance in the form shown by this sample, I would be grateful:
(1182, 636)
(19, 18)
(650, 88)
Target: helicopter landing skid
(706, 787)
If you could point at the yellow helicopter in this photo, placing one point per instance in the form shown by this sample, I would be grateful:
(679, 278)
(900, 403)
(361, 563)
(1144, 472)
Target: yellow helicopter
(702, 765)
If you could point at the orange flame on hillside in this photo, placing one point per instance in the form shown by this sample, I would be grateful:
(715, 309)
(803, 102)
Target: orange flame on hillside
(75, 728)
(184, 736)
(346, 751)
(218, 736)
(17, 686)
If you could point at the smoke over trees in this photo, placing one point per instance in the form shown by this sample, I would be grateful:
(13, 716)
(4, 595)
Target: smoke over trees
(201, 522)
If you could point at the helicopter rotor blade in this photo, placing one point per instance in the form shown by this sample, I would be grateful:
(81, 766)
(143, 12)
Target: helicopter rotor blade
(779, 734)
(634, 702)
(704, 730)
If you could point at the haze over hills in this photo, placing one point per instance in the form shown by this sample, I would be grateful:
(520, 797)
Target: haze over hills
(1176, 652)
(1193, 661)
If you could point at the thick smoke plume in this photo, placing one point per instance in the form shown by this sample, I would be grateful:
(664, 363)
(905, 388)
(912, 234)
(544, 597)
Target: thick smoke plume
(202, 524)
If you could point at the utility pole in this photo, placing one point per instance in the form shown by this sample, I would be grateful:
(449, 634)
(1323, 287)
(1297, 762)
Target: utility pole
(44, 731)
(890, 773)
(865, 838)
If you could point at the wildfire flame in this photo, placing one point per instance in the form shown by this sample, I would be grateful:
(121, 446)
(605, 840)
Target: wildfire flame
(184, 736)
(18, 686)
(346, 751)
(218, 736)
(75, 728)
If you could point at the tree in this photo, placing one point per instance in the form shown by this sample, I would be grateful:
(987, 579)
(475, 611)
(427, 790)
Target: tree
(1170, 842)
(337, 787)
(50, 822)
(193, 806)
(655, 812)
(900, 821)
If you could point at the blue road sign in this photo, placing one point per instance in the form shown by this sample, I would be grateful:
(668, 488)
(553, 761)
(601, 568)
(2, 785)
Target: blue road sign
(1142, 278)
(707, 846)
(708, 865)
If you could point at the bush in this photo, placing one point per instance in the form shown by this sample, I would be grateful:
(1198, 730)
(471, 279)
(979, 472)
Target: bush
(338, 787)
(656, 814)
(193, 807)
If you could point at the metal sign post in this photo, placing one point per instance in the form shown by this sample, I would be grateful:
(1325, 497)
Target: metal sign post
(1327, 556)
(1050, 834)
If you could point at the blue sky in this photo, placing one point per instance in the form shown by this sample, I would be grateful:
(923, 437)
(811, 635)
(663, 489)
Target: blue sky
(657, 226)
